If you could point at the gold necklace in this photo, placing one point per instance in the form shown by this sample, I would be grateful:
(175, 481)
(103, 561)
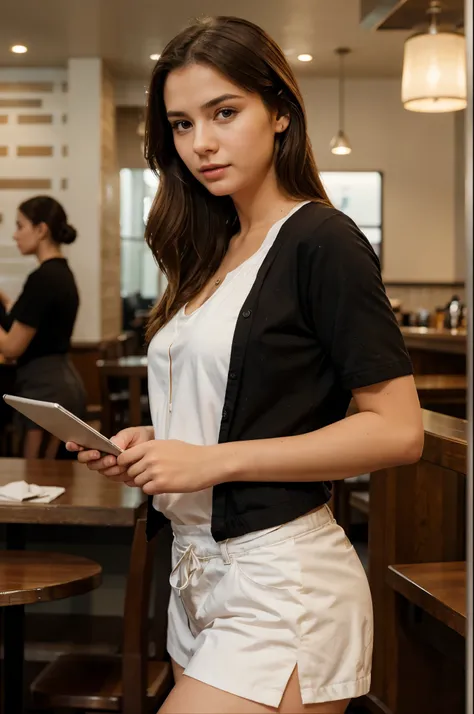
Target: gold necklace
(218, 281)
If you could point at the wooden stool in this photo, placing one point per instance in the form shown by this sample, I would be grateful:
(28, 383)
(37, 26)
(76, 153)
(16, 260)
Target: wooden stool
(129, 683)
(27, 577)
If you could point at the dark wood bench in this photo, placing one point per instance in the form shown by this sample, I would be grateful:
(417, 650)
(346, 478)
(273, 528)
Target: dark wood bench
(437, 588)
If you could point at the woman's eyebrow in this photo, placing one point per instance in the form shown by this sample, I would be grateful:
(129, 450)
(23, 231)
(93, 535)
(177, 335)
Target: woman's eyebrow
(208, 105)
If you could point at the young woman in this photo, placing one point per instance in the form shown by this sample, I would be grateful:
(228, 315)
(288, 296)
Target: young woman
(36, 330)
(274, 317)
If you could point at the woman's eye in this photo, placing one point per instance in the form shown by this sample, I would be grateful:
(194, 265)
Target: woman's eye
(181, 125)
(226, 113)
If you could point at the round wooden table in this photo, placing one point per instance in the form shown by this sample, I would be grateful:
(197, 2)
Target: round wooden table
(27, 577)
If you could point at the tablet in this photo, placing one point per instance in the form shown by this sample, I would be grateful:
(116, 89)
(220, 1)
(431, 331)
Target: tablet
(62, 424)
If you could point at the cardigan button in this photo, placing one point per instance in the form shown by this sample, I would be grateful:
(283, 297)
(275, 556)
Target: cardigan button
(246, 313)
(225, 414)
(232, 375)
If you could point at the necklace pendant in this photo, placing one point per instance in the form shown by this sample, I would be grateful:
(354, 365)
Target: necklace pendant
(217, 281)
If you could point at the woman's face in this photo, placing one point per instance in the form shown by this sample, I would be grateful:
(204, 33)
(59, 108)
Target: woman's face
(27, 236)
(224, 134)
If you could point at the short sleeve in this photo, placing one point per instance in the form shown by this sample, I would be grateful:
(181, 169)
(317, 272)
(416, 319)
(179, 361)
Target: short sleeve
(33, 304)
(351, 312)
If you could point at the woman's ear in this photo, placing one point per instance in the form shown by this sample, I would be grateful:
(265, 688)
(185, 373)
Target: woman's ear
(282, 123)
(43, 230)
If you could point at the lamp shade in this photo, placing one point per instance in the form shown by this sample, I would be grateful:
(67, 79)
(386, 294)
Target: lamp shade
(434, 72)
(340, 144)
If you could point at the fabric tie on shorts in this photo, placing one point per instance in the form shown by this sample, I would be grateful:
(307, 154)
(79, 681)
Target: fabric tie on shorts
(185, 568)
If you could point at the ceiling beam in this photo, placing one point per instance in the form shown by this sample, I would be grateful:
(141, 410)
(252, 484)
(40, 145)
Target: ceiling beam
(373, 13)
(407, 14)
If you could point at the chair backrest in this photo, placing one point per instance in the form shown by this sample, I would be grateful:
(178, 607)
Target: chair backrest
(135, 625)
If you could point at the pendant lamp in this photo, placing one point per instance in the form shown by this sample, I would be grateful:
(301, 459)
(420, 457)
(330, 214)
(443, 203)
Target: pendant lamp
(434, 68)
(340, 143)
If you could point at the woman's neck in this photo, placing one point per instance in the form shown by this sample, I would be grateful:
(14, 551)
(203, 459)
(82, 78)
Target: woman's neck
(47, 250)
(262, 205)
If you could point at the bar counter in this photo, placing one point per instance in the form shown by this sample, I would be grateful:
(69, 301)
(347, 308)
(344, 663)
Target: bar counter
(436, 351)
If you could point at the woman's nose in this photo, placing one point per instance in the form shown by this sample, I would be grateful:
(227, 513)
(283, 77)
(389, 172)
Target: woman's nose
(204, 139)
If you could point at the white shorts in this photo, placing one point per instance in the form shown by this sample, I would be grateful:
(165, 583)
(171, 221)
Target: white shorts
(244, 612)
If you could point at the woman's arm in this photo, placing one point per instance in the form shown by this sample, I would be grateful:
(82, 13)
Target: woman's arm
(14, 342)
(387, 431)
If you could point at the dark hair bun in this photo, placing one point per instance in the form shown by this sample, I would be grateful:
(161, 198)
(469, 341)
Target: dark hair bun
(67, 234)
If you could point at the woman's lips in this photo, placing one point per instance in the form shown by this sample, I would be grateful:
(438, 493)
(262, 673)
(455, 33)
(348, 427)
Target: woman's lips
(214, 172)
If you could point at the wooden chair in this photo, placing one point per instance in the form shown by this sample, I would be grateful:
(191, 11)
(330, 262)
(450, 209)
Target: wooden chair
(124, 402)
(128, 682)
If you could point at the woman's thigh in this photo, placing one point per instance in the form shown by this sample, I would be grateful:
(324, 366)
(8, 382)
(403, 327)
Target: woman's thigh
(190, 696)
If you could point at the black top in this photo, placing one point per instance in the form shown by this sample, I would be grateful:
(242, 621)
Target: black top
(49, 303)
(316, 324)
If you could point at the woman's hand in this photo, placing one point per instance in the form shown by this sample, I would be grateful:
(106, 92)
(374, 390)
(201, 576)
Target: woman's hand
(171, 466)
(107, 465)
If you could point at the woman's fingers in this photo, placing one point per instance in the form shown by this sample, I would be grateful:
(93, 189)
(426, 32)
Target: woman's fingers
(116, 473)
(94, 461)
(72, 446)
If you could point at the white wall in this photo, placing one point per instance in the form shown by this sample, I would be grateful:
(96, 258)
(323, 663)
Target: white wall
(415, 152)
(85, 91)
(83, 175)
(14, 267)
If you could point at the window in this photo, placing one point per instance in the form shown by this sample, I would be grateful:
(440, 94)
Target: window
(139, 271)
(356, 193)
(359, 195)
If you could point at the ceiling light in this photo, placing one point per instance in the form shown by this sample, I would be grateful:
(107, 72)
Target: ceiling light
(19, 49)
(434, 69)
(155, 57)
(305, 58)
(340, 143)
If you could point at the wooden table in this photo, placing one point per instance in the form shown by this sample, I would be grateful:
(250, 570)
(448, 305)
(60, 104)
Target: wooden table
(27, 577)
(89, 500)
(134, 369)
(437, 588)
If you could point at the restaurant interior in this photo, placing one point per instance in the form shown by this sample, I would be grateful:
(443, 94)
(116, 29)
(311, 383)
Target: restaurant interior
(83, 595)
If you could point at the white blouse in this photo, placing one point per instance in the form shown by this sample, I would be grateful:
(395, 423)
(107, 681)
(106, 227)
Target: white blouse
(188, 364)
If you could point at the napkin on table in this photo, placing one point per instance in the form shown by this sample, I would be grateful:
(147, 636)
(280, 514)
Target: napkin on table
(19, 491)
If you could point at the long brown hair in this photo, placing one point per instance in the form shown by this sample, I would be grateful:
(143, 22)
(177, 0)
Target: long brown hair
(188, 228)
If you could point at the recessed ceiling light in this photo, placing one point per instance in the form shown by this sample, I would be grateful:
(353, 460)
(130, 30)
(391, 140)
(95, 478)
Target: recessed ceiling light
(19, 49)
(155, 57)
(305, 58)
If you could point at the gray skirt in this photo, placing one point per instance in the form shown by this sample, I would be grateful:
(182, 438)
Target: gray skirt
(52, 378)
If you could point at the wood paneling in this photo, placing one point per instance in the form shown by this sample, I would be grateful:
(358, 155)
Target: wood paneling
(417, 515)
(19, 184)
(26, 87)
(34, 150)
(3, 118)
(35, 119)
(3, 150)
(21, 103)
